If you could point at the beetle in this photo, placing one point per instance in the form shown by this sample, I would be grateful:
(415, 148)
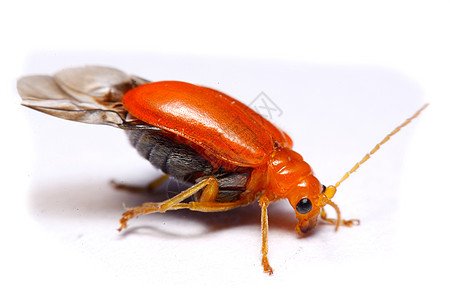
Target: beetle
(230, 155)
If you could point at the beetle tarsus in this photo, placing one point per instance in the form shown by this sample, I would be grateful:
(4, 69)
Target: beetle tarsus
(267, 268)
(123, 225)
(129, 214)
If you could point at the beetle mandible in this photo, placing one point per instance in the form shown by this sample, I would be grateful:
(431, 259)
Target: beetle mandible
(231, 155)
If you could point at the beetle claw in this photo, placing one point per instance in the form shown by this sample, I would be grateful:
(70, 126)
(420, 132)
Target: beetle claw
(267, 268)
(350, 223)
(129, 214)
(123, 224)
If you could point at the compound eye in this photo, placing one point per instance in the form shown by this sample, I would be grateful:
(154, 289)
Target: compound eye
(304, 206)
(323, 188)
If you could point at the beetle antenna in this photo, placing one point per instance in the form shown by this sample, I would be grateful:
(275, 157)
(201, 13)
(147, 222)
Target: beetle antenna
(332, 189)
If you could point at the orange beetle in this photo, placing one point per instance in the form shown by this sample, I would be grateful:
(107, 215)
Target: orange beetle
(230, 154)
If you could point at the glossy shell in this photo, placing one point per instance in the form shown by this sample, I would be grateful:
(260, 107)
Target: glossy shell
(216, 122)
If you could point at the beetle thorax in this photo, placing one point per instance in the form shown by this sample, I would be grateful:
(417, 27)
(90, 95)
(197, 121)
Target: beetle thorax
(286, 169)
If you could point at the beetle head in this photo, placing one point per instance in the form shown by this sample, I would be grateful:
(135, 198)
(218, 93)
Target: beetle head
(308, 198)
(305, 198)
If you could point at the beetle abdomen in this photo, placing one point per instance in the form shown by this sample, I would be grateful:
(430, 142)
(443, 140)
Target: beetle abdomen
(175, 159)
(184, 163)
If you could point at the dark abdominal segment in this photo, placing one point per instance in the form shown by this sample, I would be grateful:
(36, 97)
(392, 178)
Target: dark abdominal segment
(184, 163)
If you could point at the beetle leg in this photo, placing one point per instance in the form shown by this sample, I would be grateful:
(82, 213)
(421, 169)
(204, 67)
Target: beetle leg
(210, 185)
(211, 206)
(210, 192)
(348, 223)
(264, 203)
(150, 187)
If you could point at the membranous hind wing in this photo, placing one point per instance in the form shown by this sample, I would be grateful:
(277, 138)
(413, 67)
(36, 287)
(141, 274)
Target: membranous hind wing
(91, 94)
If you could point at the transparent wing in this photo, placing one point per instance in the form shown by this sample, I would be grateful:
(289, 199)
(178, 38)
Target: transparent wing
(90, 94)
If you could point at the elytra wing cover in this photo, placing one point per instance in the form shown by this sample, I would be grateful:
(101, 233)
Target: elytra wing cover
(209, 118)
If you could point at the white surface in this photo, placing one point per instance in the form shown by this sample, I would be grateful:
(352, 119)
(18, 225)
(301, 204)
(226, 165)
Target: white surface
(342, 79)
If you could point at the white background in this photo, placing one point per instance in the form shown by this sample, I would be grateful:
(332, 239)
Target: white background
(343, 72)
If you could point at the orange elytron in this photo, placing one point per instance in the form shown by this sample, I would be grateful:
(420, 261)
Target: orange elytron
(230, 154)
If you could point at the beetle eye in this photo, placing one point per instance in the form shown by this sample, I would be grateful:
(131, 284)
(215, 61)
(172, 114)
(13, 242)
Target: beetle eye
(304, 206)
(323, 188)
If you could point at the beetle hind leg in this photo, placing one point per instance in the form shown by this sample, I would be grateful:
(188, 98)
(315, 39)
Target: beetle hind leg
(209, 194)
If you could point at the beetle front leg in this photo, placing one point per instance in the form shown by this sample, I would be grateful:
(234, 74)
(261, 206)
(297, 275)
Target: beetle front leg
(348, 223)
